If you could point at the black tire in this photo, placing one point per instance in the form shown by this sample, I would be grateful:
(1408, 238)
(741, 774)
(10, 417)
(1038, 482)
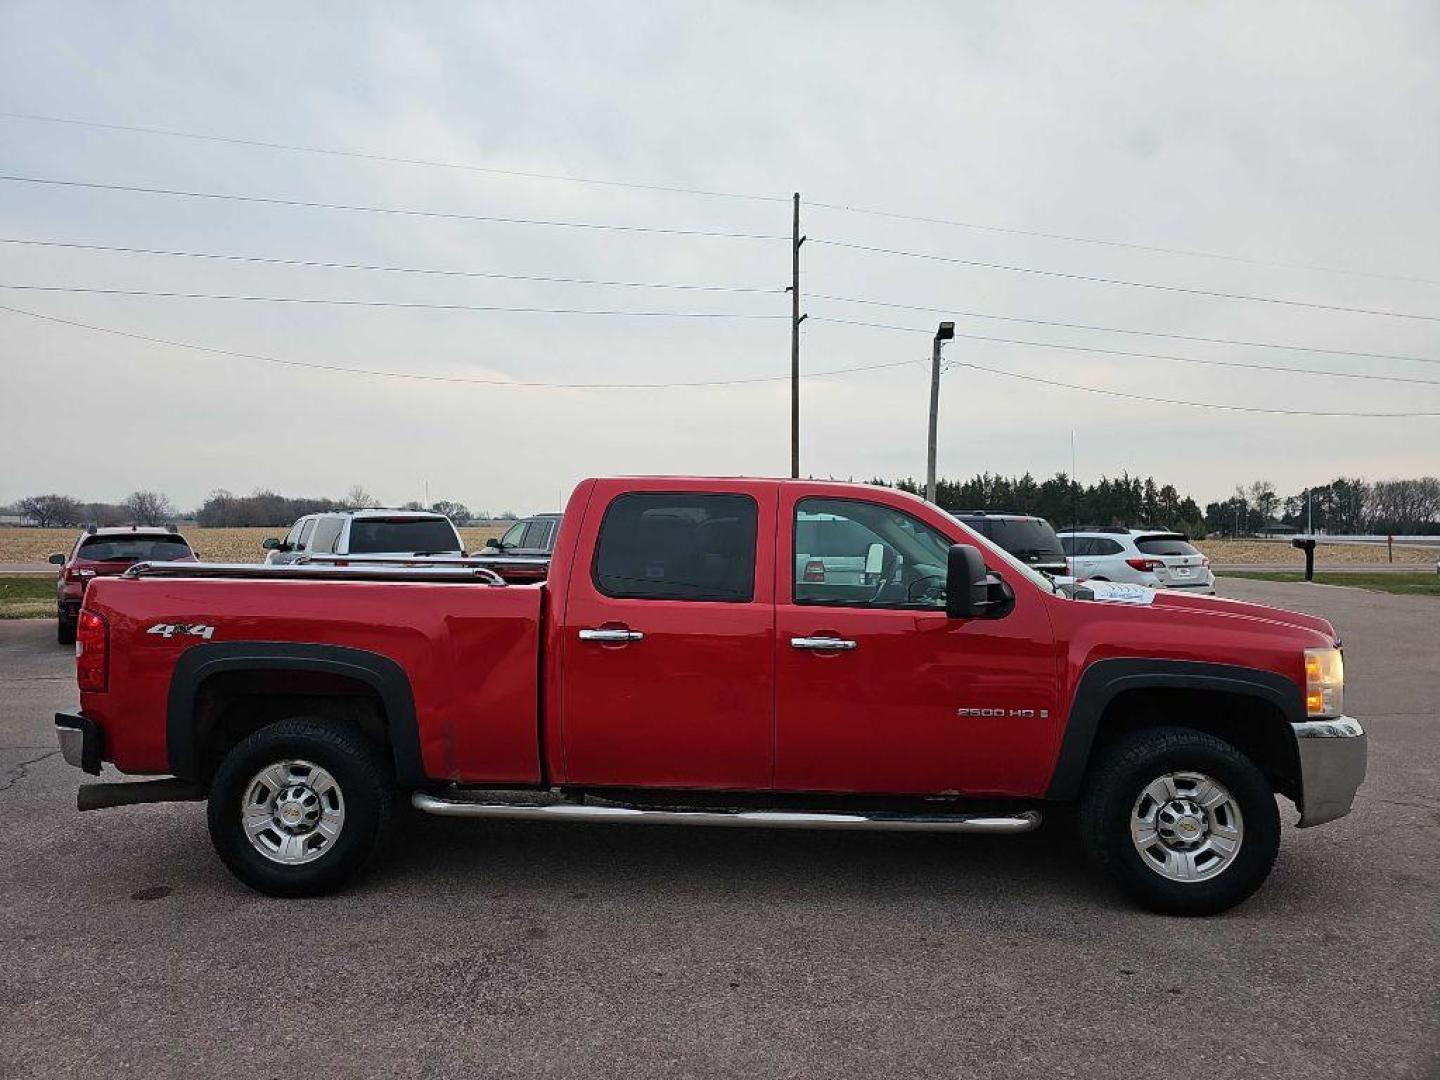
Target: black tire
(64, 631)
(1118, 779)
(359, 768)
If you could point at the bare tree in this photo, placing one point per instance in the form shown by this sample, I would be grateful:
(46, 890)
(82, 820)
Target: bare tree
(1263, 499)
(459, 513)
(357, 498)
(49, 511)
(149, 508)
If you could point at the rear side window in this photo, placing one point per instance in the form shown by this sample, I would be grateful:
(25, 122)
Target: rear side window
(376, 536)
(134, 549)
(1101, 545)
(1165, 545)
(326, 533)
(685, 546)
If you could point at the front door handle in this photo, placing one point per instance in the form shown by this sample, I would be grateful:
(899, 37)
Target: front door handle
(612, 635)
(822, 643)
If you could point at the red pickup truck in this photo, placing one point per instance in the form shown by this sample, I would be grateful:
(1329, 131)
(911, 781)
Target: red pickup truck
(733, 652)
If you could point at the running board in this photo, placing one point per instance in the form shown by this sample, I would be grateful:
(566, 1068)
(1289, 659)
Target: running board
(764, 819)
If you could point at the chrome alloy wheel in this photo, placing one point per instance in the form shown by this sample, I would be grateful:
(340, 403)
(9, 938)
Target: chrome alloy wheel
(1186, 827)
(292, 812)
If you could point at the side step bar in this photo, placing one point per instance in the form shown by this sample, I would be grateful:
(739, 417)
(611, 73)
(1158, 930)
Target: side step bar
(765, 819)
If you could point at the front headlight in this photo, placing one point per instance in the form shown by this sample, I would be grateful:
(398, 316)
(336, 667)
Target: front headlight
(1324, 682)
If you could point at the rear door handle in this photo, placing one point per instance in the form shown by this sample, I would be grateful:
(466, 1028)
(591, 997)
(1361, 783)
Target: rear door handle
(822, 643)
(611, 635)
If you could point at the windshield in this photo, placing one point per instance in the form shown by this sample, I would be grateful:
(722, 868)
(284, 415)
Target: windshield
(134, 549)
(1004, 556)
(1024, 536)
(378, 536)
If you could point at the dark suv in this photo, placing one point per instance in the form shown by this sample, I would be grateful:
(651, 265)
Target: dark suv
(533, 535)
(106, 552)
(1030, 539)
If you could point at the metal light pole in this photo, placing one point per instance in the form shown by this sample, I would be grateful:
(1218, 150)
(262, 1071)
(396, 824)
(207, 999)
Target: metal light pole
(942, 335)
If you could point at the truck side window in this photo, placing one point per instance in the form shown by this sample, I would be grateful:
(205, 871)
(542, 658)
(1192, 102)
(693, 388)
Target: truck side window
(853, 553)
(682, 546)
(304, 543)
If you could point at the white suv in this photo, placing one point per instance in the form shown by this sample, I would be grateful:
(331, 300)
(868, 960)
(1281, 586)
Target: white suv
(367, 532)
(1150, 557)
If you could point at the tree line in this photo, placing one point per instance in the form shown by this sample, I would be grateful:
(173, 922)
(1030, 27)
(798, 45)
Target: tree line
(220, 508)
(1343, 506)
(1122, 500)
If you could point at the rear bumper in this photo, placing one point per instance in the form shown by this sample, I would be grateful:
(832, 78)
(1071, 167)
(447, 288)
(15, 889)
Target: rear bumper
(81, 741)
(1333, 755)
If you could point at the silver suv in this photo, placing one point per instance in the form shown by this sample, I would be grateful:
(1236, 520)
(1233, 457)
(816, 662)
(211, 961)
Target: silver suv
(397, 533)
(1151, 557)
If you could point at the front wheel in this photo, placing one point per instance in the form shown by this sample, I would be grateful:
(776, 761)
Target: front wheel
(297, 807)
(1183, 821)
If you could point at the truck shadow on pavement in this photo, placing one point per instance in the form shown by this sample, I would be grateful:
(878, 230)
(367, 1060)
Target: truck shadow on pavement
(756, 863)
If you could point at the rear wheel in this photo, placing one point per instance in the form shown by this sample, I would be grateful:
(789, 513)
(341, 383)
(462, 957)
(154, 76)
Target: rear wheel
(297, 807)
(1184, 822)
(64, 631)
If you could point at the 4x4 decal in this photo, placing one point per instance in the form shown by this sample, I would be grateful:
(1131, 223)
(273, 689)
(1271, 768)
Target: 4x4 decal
(169, 630)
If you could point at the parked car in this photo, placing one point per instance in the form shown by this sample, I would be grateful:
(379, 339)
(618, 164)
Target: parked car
(533, 535)
(1030, 539)
(675, 669)
(373, 533)
(103, 553)
(1150, 557)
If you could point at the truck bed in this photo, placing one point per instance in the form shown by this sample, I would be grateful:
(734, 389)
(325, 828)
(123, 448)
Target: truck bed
(470, 649)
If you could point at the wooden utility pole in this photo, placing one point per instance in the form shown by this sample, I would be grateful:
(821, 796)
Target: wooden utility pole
(795, 320)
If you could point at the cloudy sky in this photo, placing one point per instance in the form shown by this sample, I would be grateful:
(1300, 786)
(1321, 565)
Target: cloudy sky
(1302, 135)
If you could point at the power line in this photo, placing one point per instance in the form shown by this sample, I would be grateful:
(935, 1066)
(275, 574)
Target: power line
(1117, 281)
(394, 160)
(1120, 393)
(393, 303)
(398, 211)
(1356, 353)
(1192, 404)
(1151, 248)
(266, 260)
(1149, 356)
(437, 272)
(709, 193)
(438, 378)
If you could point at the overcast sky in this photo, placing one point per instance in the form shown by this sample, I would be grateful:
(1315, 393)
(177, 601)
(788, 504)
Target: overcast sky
(1281, 133)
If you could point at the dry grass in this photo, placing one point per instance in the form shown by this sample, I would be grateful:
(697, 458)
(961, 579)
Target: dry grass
(214, 545)
(1262, 552)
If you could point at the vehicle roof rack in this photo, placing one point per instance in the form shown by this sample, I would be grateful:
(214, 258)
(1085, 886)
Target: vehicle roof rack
(91, 529)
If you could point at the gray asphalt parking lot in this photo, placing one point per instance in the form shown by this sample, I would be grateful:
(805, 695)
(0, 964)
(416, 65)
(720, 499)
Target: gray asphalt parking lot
(547, 951)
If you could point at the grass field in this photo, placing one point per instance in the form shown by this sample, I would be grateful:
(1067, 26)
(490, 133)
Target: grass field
(1408, 584)
(26, 596)
(214, 545)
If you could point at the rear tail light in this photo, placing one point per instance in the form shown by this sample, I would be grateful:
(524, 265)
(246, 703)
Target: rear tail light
(92, 652)
(1145, 564)
(78, 575)
(815, 571)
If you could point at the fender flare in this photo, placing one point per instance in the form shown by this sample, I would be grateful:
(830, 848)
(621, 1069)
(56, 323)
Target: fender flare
(383, 675)
(1105, 680)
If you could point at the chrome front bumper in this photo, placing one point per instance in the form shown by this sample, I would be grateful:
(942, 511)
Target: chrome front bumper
(1332, 767)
